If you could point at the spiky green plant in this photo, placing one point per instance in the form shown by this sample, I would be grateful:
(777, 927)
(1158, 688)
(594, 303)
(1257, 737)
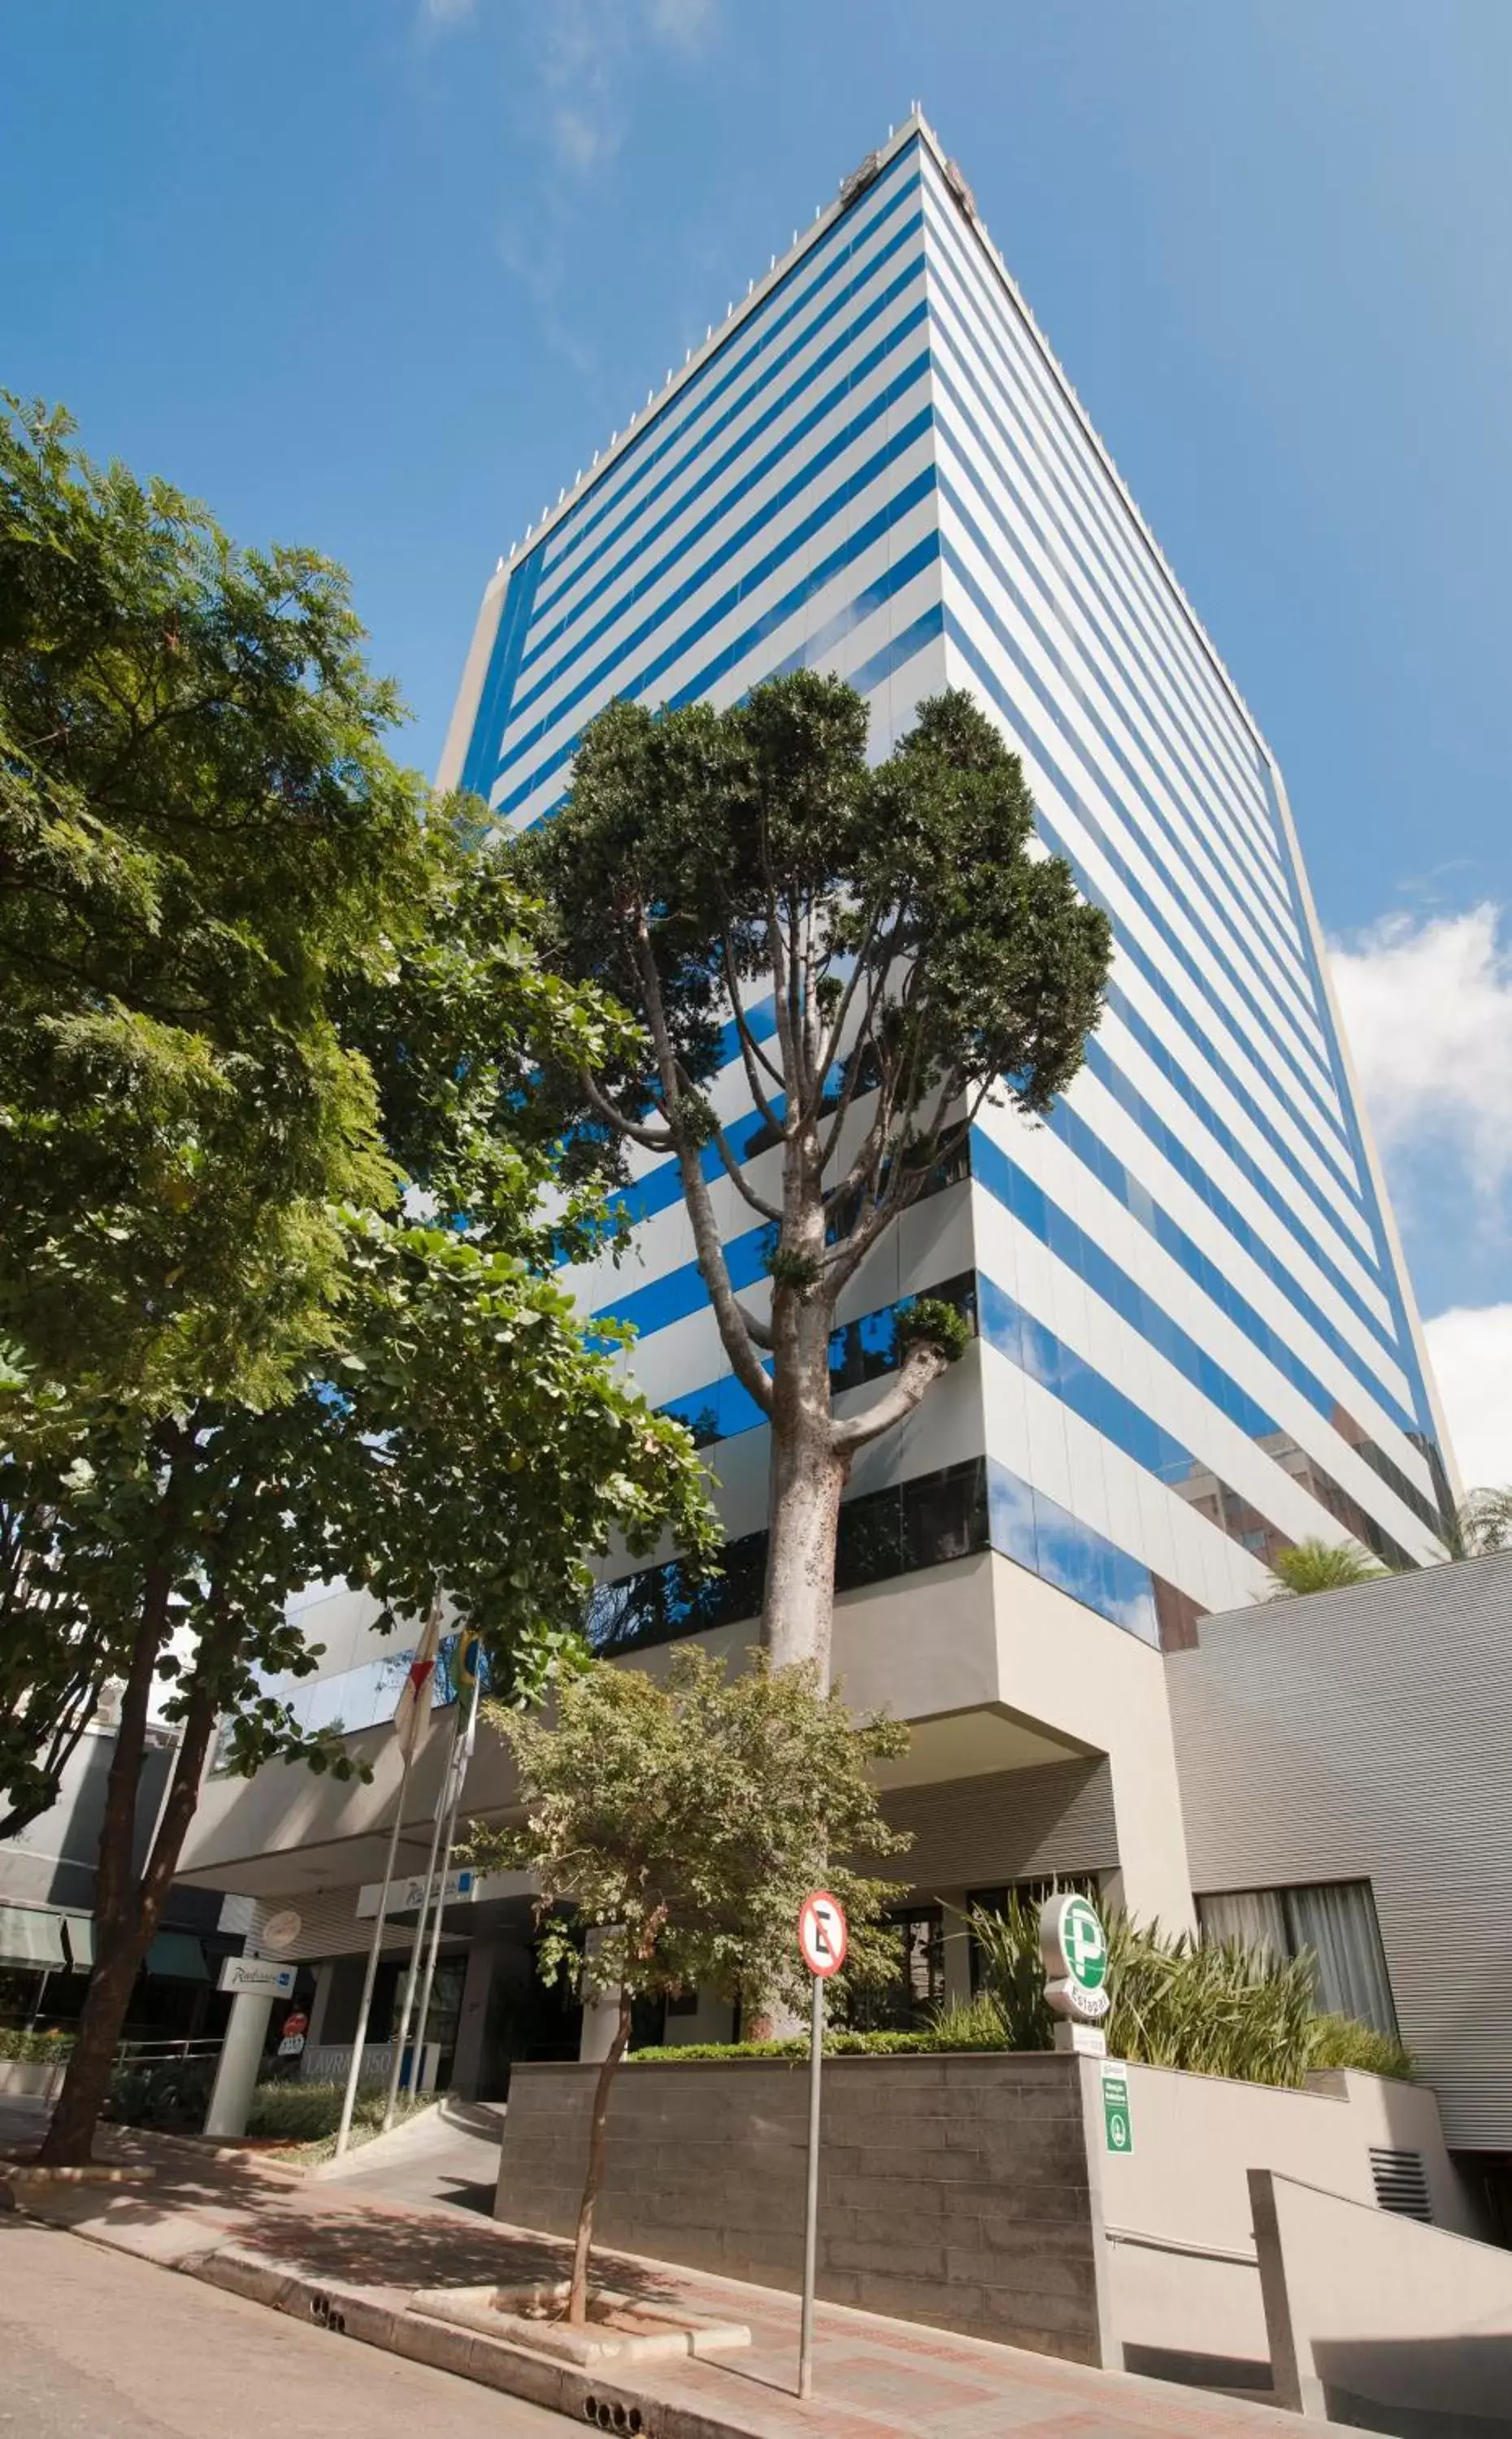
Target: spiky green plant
(1317, 1566)
(1340, 2041)
(1208, 2006)
(979, 2022)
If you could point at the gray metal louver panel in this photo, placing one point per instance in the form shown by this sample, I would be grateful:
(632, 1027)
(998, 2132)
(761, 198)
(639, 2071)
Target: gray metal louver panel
(1401, 2183)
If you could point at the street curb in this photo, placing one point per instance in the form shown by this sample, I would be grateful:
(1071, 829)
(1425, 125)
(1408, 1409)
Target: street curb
(583, 2396)
(225, 2155)
(97, 2172)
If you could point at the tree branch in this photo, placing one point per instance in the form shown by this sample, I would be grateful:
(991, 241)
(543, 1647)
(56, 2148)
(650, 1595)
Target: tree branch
(751, 1050)
(729, 1314)
(921, 1367)
(736, 1174)
(649, 1138)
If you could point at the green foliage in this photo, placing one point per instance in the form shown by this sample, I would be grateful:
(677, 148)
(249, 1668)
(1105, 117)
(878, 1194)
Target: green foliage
(459, 1421)
(1316, 1566)
(979, 2022)
(1207, 2009)
(713, 842)
(1483, 1523)
(33, 2049)
(172, 2093)
(1208, 2006)
(199, 824)
(928, 1320)
(838, 2043)
(294, 2111)
(918, 956)
(1340, 2041)
(683, 1819)
(281, 1212)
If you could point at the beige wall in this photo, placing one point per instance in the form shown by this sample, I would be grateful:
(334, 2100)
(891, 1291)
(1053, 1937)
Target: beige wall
(1375, 2320)
(1182, 2267)
(1364, 1734)
(1197, 2135)
(1060, 1663)
(1001, 1674)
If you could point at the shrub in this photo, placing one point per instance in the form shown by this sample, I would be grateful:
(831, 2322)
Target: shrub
(976, 2023)
(1340, 2041)
(1207, 2007)
(173, 2094)
(794, 2045)
(34, 2049)
(306, 2113)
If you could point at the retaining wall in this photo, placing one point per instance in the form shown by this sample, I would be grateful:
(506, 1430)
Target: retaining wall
(954, 2191)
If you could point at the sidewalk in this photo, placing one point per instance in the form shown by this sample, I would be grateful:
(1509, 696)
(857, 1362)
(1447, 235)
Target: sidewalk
(351, 2264)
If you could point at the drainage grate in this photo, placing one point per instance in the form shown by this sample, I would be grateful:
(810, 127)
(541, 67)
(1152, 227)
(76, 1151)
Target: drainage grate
(1401, 2183)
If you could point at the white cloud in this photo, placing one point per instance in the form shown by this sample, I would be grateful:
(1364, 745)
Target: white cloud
(1428, 1009)
(445, 13)
(583, 53)
(1471, 1354)
(686, 25)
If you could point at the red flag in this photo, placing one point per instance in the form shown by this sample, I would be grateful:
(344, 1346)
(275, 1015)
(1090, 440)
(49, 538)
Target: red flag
(412, 1715)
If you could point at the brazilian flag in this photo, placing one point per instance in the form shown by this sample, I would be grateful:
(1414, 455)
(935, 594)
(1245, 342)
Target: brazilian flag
(467, 1662)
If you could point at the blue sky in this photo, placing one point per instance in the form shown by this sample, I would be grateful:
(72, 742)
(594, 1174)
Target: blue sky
(377, 275)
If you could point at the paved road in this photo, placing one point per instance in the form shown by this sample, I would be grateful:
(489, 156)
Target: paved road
(97, 2346)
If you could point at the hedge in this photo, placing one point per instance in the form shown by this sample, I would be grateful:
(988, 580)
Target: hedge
(33, 2049)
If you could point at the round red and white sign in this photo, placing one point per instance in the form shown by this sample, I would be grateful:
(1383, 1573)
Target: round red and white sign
(822, 1933)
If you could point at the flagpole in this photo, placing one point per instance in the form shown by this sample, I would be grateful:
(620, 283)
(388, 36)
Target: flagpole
(460, 1756)
(412, 1724)
(354, 2071)
(402, 2035)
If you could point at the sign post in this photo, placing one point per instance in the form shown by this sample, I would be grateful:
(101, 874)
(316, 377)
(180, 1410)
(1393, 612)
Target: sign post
(822, 1940)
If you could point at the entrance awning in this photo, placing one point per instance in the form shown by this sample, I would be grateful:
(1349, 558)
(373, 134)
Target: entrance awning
(29, 1936)
(81, 1929)
(175, 1957)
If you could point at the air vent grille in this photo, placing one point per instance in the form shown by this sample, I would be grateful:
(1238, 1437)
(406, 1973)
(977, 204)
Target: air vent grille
(1401, 2183)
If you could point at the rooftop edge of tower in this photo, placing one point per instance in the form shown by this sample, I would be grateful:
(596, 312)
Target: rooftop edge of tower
(915, 126)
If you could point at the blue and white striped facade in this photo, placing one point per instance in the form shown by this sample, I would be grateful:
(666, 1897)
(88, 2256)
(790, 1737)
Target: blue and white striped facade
(1196, 1341)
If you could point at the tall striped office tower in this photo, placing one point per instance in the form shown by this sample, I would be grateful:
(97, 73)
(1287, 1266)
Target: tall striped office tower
(1196, 1343)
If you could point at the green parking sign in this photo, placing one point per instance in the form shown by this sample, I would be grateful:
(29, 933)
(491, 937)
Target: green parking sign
(1117, 2122)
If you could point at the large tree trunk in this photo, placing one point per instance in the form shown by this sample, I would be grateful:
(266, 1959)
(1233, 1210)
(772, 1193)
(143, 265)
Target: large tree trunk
(807, 1475)
(124, 1934)
(797, 1614)
(597, 2148)
(127, 1907)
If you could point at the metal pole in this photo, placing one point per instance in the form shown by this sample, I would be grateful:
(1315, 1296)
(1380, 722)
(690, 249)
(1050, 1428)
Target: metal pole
(354, 2071)
(401, 2034)
(458, 1773)
(810, 2220)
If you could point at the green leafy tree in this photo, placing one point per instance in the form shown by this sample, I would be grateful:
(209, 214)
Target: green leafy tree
(1315, 1566)
(199, 824)
(456, 1426)
(55, 1651)
(474, 1441)
(683, 1821)
(892, 952)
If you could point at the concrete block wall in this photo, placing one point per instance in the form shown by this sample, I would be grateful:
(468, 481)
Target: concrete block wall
(955, 2191)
